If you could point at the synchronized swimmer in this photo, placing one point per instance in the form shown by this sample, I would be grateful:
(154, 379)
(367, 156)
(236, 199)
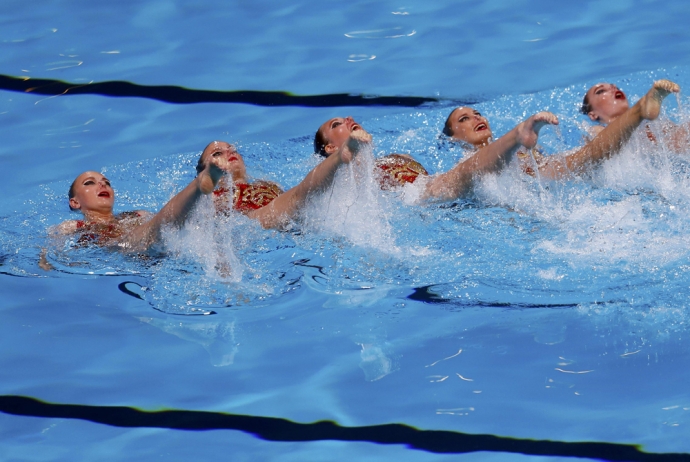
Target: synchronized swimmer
(469, 126)
(137, 231)
(397, 169)
(264, 201)
(221, 169)
(604, 102)
(93, 196)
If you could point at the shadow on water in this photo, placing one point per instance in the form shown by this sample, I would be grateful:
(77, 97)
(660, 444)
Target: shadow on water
(428, 294)
(277, 429)
(181, 95)
(134, 289)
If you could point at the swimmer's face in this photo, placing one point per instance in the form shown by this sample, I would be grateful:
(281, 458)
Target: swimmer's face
(607, 102)
(226, 157)
(469, 126)
(92, 193)
(336, 132)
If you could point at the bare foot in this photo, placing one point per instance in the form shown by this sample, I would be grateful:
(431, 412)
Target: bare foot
(650, 104)
(357, 139)
(209, 177)
(528, 131)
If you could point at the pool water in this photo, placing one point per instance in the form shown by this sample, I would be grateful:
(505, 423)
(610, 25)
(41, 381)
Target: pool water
(534, 320)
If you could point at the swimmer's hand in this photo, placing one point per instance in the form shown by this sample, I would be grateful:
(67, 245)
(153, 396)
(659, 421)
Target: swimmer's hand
(360, 136)
(650, 104)
(354, 144)
(208, 178)
(528, 131)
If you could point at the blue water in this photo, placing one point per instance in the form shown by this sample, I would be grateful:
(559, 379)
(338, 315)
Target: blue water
(533, 311)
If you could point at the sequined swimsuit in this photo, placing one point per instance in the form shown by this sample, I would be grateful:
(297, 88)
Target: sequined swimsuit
(396, 170)
(103, 233)
(250, 196)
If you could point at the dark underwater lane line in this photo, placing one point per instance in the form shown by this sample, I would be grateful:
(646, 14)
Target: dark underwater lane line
(426, 294)
(277, 429)
(181, 95)
(125, 288)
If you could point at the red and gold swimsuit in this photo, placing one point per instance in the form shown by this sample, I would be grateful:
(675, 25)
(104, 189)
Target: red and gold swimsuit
(104, 233)
(395, 170)
(248, 196)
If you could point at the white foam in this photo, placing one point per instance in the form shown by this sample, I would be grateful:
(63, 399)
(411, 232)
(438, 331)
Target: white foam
(354, 207)
(633, 207)
(206, 238)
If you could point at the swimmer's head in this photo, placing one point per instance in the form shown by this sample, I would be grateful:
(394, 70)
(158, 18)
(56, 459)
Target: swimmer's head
(466, 124)
(229, 159)
(333, 133)
(604, 102)
(91, 191)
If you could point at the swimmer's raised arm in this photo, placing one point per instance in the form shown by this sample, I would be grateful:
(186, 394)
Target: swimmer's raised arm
(610, 140)
(93, 196)
(490, 158)
(286, 206)
(177, 209)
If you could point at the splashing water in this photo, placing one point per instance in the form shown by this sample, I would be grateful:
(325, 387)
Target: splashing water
(613, 240)
(353, 208)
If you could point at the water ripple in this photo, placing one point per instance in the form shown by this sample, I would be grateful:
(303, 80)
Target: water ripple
(395, 32)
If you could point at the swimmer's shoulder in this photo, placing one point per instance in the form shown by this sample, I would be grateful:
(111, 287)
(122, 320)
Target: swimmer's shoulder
(66, 227)
(141, 214)
(134, 216)
(594, 130)
(589, 131)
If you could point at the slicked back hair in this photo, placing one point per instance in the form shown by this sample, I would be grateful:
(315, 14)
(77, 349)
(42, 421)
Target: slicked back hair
(586, 107)
(70, 193)
(448, 126)
(200, 164)
(320, 143)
